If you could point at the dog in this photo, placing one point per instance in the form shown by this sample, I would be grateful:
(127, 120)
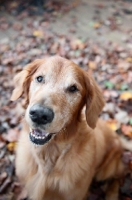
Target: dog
(63, 145)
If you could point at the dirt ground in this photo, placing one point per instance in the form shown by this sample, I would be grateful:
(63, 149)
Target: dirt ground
(98, 20)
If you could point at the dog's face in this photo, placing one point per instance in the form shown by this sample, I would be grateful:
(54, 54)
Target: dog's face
(56, 90)
(55, 95)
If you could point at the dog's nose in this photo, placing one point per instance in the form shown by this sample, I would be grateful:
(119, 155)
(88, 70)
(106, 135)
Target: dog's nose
(40, 114)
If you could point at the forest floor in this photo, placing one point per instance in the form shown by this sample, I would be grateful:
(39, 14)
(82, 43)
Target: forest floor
(97, 35)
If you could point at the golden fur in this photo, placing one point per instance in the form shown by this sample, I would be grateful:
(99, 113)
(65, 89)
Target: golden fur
(82, 147)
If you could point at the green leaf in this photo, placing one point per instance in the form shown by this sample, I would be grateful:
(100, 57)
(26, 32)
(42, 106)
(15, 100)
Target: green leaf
(91, 24)
(77, 53)
(130, 121)
(109, 84)
(124, 87)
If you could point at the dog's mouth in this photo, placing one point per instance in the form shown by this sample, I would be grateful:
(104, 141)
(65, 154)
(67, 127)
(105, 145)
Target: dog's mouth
(39, 137)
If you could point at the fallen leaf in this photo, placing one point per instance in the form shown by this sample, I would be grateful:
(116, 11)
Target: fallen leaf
(5, 184)
(129, 59)
(126, 95)
(130, 166)
(124, 86)
(127, 157)
(38, 33)
(113, 124)
(110, 93)
(11, 146)
(123, 66)
(12, 135)
(14, 4)
(130, 121)
(122, 117)
(97, 25)
(17, 26)
(2, 144)
(109, 108)
(109, 84)
(127, 130)
(3, 176)
(77, 44)
(92, 65)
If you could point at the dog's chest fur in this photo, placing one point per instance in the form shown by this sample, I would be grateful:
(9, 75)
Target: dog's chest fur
(50, 169)
(57, 169)
(48, 157)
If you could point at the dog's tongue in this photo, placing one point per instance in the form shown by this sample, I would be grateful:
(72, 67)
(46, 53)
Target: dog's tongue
(39, 132)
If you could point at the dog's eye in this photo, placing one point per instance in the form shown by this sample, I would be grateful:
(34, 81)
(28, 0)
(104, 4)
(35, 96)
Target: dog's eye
(39, 79)
(73, 88)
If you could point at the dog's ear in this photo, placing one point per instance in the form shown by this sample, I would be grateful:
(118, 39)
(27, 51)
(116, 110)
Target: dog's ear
(94, 101)
(22, 79)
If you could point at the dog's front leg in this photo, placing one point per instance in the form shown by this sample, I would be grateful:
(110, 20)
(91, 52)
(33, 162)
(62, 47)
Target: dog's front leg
(79, 191)
(25, 165)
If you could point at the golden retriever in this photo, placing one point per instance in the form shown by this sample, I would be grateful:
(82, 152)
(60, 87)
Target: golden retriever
(63, 145)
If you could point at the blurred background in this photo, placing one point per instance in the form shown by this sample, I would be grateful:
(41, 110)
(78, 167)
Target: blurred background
(96, 35)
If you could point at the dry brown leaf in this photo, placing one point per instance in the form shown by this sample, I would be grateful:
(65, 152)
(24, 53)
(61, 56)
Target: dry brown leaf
(14, 4)
(12, 135)
(130, 166)
(3, 176)
(2, 144)
(127, 130)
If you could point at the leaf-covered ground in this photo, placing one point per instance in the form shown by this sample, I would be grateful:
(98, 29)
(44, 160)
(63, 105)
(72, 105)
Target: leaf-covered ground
(29, 38)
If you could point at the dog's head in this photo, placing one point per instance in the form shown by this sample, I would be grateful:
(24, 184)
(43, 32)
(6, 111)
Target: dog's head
(56, 90)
